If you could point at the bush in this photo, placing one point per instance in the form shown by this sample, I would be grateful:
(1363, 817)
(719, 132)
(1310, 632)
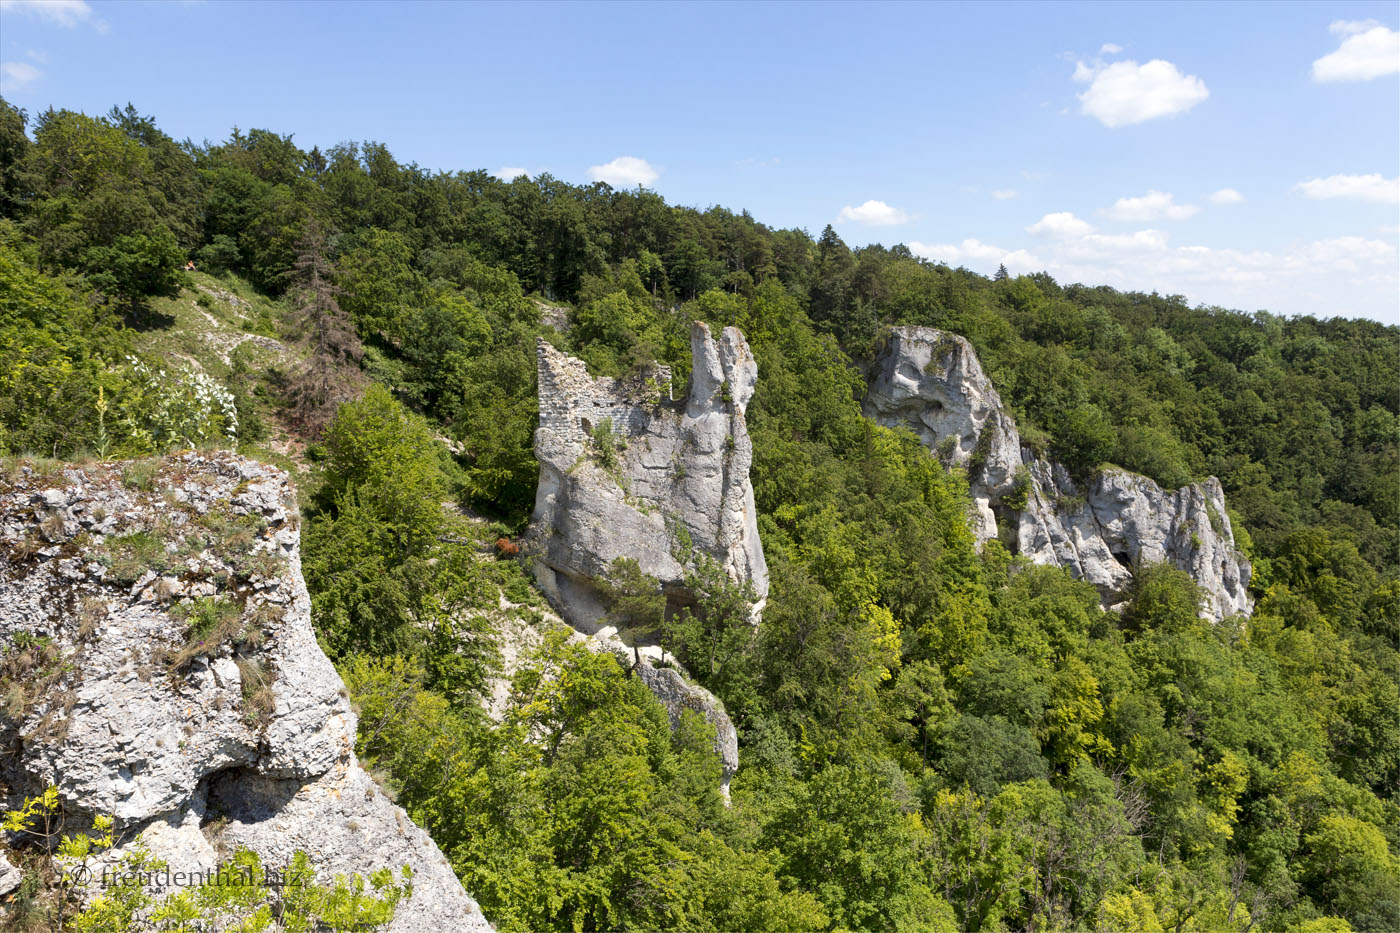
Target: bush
(219, 255)
(1084, 438)
(607, 444)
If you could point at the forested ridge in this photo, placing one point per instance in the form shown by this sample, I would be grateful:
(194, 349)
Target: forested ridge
(931, 737)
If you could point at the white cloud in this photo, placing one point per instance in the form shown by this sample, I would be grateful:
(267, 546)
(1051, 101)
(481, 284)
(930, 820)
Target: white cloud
(1371, 187)
(37, 56)
(1369, 50)
(873, 214)
(67, 13)
(1017, 261)
(1151, 206)
(1349, 275)
(1226, 196)
(1110, 48)
(1124, 93)
(1004, 194)
(1060, 225)
(510, 173)
(625, 172)
(948, 252)
(15, 75)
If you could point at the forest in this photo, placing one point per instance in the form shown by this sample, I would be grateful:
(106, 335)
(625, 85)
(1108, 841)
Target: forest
(932, 737)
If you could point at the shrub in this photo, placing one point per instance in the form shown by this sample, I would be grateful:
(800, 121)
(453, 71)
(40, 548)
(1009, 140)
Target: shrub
(1084, 438)
(1020, 492)
(607, 444)
(213, 622)
(219, 255)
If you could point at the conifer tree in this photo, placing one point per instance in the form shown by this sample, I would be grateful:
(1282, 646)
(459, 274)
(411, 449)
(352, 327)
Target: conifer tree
(329, 374)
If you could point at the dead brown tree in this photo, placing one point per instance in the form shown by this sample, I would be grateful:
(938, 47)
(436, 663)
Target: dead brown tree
(328, 373)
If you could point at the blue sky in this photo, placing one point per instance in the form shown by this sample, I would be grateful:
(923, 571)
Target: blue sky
(1242, 155)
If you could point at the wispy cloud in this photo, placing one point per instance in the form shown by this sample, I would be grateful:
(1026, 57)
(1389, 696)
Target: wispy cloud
(1124, 93)
(510, 173)
(873, 214)
(1110, 48)
(1226, 196)
(625, 172)
(1343, 275)
(1369, 50)
(1373, 187)
(1153, 205)
(66, 13)
(972, 250)
(1004, 194)
(15, 75)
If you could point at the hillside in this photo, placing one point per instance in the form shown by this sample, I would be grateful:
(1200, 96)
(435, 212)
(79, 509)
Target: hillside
(937, 729)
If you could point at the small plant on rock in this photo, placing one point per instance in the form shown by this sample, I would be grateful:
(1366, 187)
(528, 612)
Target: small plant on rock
(259, 701)
(1020, 492)
(608, 444)
(141, 474)
(213, 622)
(131, 555)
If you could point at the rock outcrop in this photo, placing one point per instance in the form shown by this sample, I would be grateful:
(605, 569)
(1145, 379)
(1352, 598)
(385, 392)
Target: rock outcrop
(515, 639)
(162, 669)
(932, 382)
(628, 471)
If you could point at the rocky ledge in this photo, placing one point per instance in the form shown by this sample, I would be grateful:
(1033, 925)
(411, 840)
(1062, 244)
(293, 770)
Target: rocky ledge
(160, 667)
(931, 382)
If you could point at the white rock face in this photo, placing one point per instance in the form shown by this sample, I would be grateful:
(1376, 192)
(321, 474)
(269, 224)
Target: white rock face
(932, 382)
(168, 749)
(685, 464)
(679, 466)
(10, 876)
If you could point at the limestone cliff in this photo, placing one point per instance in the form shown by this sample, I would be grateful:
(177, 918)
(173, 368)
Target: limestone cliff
(932, 382)
(160, 667)
(623, 467)
(628, 471)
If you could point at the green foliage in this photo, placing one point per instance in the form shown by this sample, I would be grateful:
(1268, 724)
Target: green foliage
(1020, 492)
(715, 638)
(607, 444)
(583, 810)
(390, 569)
(932, 738)
(1084, 438)
(636, 604)
(71, 381)
(377, 446)
(239, 894)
